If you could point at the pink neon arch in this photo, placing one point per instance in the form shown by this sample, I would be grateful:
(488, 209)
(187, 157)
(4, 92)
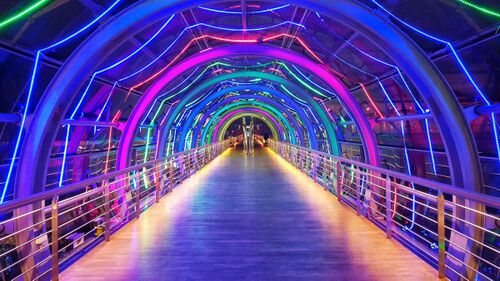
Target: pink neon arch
(369, 140)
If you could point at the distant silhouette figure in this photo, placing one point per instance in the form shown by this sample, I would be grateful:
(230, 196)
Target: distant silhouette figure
(248, 136)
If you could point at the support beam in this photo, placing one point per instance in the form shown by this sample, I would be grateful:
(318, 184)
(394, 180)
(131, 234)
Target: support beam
(90, 123)
(29, 54)
(487, 109)
(404, 118)
(10, 118)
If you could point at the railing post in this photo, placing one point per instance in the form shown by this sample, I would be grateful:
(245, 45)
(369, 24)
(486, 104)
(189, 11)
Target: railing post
(107, 215)
(388, 204)
(195, 161)
(339, 181)
(137, 201)
(303, 162)
(171, 174)
(190, 164)
(157, 182)
(55, 237)
(314, 167)
(358, 191)
(441, 235)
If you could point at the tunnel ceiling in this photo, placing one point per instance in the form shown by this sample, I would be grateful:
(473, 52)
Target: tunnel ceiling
(311, 75)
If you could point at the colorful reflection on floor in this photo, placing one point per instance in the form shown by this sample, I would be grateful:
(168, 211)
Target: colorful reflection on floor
(249, 218)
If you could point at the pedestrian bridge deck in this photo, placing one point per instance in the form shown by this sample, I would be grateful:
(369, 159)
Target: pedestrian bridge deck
(249, 218)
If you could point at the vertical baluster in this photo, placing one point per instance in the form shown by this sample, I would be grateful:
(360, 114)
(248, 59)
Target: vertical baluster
(388, 205)
(107, 210)
(441, 236)
(357, 186)
(137, 200)
(196, 164)
(55, 237)
(314, 164)
(325, 172)
(339, 181)
(157, 182)
(171, 174)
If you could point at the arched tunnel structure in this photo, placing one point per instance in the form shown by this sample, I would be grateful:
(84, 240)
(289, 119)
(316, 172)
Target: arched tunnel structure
(391, 106)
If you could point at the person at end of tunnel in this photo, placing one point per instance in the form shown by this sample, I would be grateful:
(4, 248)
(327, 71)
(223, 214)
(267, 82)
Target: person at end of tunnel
(266, 137)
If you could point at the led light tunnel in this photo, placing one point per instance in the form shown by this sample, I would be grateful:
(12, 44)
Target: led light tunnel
(271, 111)
(261, 88)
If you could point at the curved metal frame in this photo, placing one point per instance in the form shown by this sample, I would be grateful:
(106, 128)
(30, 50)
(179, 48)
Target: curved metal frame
(261, 88)
(228, 105)
(235, 115)
(366, 132)
(252, 74)
(249, 105)
(227, 123)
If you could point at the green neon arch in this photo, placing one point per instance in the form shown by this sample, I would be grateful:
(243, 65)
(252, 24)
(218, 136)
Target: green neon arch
(295, 117)
(270, 96)
(249, 104)
(283, 122)
(231, 120)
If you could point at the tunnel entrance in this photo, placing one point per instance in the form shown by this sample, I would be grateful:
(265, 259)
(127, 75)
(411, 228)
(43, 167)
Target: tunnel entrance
(261, 128)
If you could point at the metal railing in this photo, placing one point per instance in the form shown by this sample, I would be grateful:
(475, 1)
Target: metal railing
(86, 213)
(454, 230)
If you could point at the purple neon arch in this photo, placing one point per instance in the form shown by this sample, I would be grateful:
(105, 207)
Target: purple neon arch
(249, 110)
(369, 140)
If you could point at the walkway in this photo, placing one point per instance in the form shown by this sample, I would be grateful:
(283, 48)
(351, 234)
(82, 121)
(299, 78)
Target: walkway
(249, 218)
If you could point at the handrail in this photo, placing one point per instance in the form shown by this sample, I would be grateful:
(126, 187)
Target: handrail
(447, 226)
(446, 188)
(53, 230)
(16, 203)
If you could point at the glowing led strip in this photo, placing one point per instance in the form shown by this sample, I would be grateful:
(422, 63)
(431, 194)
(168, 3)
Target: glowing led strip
(217, 38)
(284, 88)
(403, 134)
(221, 28)
(216, 53)
(422, 110)
(306, 85)
(484, 10)
(234, 115)
(279, 116)
(210, 26)
(408, 166)
(223, 129)
(312, 82)
(72, 116)
(260, 75)
(248, 12)
(23, 13)
(374, 105)
(457, 58)
(428, 134)
(447, 43)
(301, 81)
(215, 133)
(227, 40)
(39, 53)
(132, 54)
(266, 100)
(242, 105)
(232, 97)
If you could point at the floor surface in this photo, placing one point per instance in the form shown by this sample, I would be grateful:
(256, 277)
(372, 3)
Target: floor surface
(249, 218)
